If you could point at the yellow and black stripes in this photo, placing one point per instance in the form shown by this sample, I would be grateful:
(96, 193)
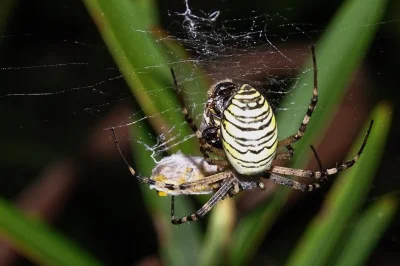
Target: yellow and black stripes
(249, 132)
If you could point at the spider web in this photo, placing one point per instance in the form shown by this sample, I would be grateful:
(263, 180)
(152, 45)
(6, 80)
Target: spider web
(256, 49)
(243, 49)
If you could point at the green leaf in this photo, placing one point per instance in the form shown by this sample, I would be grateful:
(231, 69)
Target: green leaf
(367, 232)
(218, 233)
(339, 52)
(6, 7)
(127, 29)
(35, 240)
(345, 198)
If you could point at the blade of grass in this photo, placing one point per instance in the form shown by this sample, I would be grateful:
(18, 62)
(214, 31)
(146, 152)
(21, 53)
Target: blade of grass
(345, 198)
(252, 228)
(367, 232)
(126, 29)
(218, 233)
(6, 7)
(189, 75)
(338, 53)
(35, 240)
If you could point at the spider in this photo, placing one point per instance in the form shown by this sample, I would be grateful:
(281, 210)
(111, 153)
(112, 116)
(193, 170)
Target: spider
(239, 136)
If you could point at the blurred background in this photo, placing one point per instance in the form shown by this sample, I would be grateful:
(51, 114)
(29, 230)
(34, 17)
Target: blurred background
(59, 92)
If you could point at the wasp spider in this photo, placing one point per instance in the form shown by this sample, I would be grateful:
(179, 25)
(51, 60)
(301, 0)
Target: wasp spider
(238, 136)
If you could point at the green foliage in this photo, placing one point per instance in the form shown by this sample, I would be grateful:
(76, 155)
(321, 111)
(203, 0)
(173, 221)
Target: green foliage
(5, 9)
(38, 242)
(338, 54)
(366, 233)
(124, 26)
(345, 198)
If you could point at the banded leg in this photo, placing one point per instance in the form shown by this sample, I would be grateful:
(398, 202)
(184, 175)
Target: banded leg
(288, 156)
(284, 156)
(293, 184)
(167, 186)
(187, 188)
(287, 142)
(317, 158)
(218, 196)
(322, 175)
(188, 118)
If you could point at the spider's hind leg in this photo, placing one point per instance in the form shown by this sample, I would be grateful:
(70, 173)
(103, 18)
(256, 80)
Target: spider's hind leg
(322, 175)
(292, 183)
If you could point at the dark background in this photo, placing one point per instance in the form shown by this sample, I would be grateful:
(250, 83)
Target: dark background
(101, 207)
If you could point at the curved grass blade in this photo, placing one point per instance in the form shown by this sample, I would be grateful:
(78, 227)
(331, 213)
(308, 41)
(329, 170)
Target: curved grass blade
(345, 198)
(126, 28)
(339, 52)
(367, 232)
(218, 233)
(6, 7)
(35, 240)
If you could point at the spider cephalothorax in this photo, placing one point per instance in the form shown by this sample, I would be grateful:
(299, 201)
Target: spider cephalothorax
(218, 96)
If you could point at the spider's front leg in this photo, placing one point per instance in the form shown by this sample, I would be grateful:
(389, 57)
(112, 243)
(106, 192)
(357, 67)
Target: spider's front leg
(189, 120)
(288, 142)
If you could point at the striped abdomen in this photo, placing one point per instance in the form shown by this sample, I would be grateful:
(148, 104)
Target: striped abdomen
(249, 132)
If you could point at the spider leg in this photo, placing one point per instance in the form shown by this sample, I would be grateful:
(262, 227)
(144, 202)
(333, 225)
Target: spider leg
(322, 175)
(292, 183)
(209, 182)
(317, 158)
(188, 118)
(284, 156)
(193, 185)
(287, 142)
(218, 196)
